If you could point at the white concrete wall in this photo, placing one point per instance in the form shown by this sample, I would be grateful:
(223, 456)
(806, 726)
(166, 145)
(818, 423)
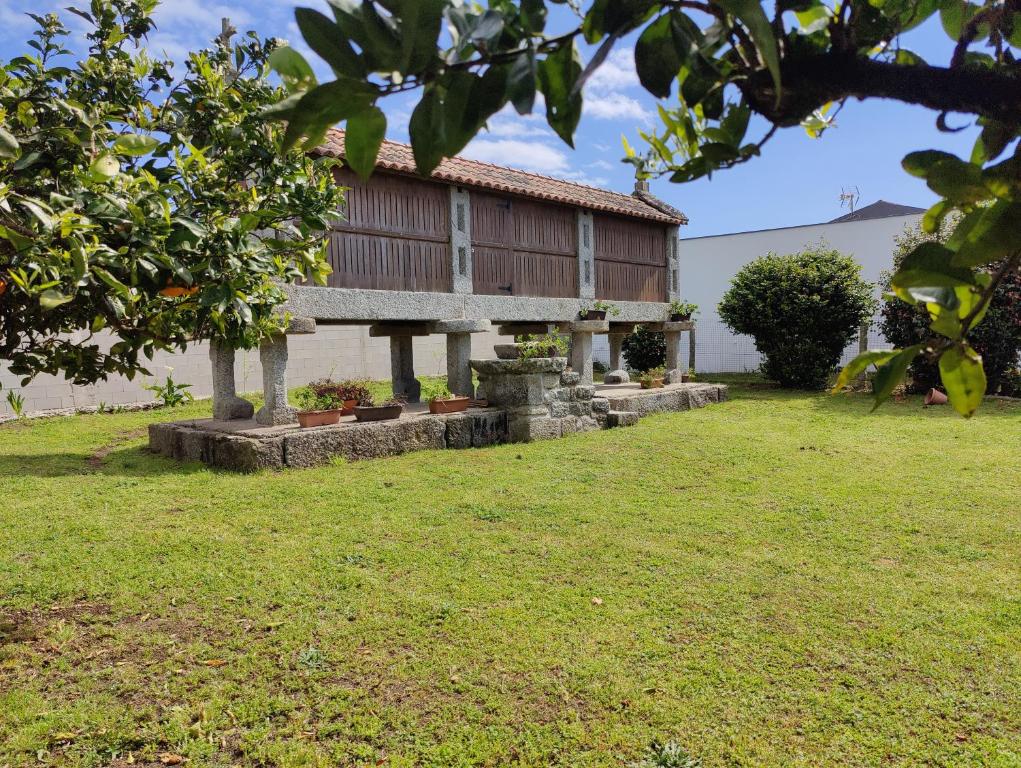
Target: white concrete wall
(343, 352)
(709, 263)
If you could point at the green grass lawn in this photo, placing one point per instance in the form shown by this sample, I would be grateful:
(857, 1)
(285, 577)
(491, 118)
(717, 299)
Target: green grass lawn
(778, 580)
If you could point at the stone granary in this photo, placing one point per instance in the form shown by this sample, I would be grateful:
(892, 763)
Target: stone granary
(471, 246)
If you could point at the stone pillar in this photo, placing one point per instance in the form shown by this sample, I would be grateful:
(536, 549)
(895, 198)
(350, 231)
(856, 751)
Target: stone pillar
(459, 348)
(581, 345)
(402, 369)
(673, 275)
(586, 256)
(461, 240)
(673, 357)
(691, 349)
(226, 403)
(273, 356)
(616, 374)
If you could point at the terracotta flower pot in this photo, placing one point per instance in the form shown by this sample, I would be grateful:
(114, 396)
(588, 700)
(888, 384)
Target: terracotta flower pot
(349, 407)
(451, 405)
(935, 397)
(378, 412)
(593, 314)
(318, 418)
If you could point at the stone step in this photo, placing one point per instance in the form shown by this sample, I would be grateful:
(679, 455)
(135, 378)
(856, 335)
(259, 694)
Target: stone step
(621, 419)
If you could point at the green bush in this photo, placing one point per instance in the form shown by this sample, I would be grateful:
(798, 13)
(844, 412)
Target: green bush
(997, 338)
(802, 309)
(644, 350)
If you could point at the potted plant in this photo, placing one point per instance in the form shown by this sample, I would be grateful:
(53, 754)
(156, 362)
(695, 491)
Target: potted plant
(597, 310)
(317, 410)
(689, 375)
(652, 378)
(681, 311)
(445, 401)
(544, 345)
(349, 392)
(367, 410)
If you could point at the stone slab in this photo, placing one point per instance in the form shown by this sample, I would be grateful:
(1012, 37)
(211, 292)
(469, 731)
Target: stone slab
(522, 329)
(671, 327)
(585, 326)
(621, 419)
(517, 367)
(398, 329)
(300, 326)
(460, 326)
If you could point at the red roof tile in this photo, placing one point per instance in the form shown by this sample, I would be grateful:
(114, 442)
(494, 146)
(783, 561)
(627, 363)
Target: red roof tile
(394, 156)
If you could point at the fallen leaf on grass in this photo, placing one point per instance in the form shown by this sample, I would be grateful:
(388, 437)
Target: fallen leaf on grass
(597, 601)
(169, 758)
(215, 663)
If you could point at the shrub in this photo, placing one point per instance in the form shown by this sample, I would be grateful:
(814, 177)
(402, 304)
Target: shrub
(644, 350)
(997, 338)
(802, 309)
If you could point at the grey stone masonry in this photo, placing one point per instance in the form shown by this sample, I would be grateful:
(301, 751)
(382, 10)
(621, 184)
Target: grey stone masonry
(402, 369)
(459, 372)
(586, 256)
(273, 356)
(673, 274)
(616, 374)
(581, 344)
(226, 403)
(461, 241)
(621, 419)
(672, 332)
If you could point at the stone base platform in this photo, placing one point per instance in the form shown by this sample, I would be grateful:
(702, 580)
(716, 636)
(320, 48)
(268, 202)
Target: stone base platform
(246, 446)
(631, 397)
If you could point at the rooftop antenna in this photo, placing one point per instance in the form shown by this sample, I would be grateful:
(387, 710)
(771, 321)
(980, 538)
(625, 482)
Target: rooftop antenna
(849, 199)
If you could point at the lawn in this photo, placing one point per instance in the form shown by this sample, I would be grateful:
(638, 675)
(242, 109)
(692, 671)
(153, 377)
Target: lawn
(782, 579)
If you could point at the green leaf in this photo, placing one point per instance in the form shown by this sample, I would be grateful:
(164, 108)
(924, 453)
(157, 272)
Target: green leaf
(813, 19)
(750, 13)
(521, 82)
(930, 265)
(857, 366)
(51, 298)
(657, 57)
(892, 372)
(994, 233)
(9, 147)
(325, 38)
(362, 139)
(421, 24)
(133, 144)
(960, 368)
(920, 163)
(557, 75)
(326, 105)
(292, 68)
(104, 167)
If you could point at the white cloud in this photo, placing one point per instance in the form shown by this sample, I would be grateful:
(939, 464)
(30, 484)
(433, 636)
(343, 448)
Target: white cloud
(617, 73)
(615, 106)
(526, 155)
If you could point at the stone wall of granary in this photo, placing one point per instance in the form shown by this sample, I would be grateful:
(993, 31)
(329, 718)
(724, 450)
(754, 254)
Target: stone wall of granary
(337, 351)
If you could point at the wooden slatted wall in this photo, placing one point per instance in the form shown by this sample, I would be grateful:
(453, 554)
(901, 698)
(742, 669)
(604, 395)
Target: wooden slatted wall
(523, 248)
(396, 235)
(631, 259)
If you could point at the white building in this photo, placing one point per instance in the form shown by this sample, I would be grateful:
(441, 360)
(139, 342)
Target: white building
(707, 265)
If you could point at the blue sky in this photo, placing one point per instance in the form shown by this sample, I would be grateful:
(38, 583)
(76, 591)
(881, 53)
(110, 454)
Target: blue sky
(798, 180)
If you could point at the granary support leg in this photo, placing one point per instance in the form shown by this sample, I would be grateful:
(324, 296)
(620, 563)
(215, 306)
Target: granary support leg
(226, 403)
(673, 357)
(616, 374)
(402, 369)
(459, 350)
(581, 345)
(273, 356)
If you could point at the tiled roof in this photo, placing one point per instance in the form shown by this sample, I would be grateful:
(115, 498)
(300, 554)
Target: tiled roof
(394, 156)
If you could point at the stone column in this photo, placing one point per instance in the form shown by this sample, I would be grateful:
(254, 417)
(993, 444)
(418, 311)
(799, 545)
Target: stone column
(581, 345)
(402, 369)
(617, 374)
(673, 276)
(459, 348)
(461, 240)
(226, 403)
(673, 357)
(273, 356)
(586, 256)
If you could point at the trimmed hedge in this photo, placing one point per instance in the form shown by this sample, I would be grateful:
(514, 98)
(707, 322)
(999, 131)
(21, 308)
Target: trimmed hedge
(802, 309)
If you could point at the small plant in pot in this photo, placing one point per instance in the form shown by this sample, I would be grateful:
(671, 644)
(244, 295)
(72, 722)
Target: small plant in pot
(317, 409)
(652, 378)
(597, 310)
(540, 345)
(689, 375)
(367, 410)
(349, 392)
(446, 401)
(682, 311)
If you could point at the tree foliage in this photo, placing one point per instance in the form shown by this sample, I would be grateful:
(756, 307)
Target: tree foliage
(997, 339)
(802, 310)
(158, 209)
(724, 61)
(644, 350)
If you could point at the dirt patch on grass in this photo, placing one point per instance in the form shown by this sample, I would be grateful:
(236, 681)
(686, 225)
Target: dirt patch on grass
(98, 457)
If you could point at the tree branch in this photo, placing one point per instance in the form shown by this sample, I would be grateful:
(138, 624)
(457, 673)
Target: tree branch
(809, 81)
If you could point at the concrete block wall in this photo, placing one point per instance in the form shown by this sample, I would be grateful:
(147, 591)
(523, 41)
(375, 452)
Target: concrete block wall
(343, 352)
